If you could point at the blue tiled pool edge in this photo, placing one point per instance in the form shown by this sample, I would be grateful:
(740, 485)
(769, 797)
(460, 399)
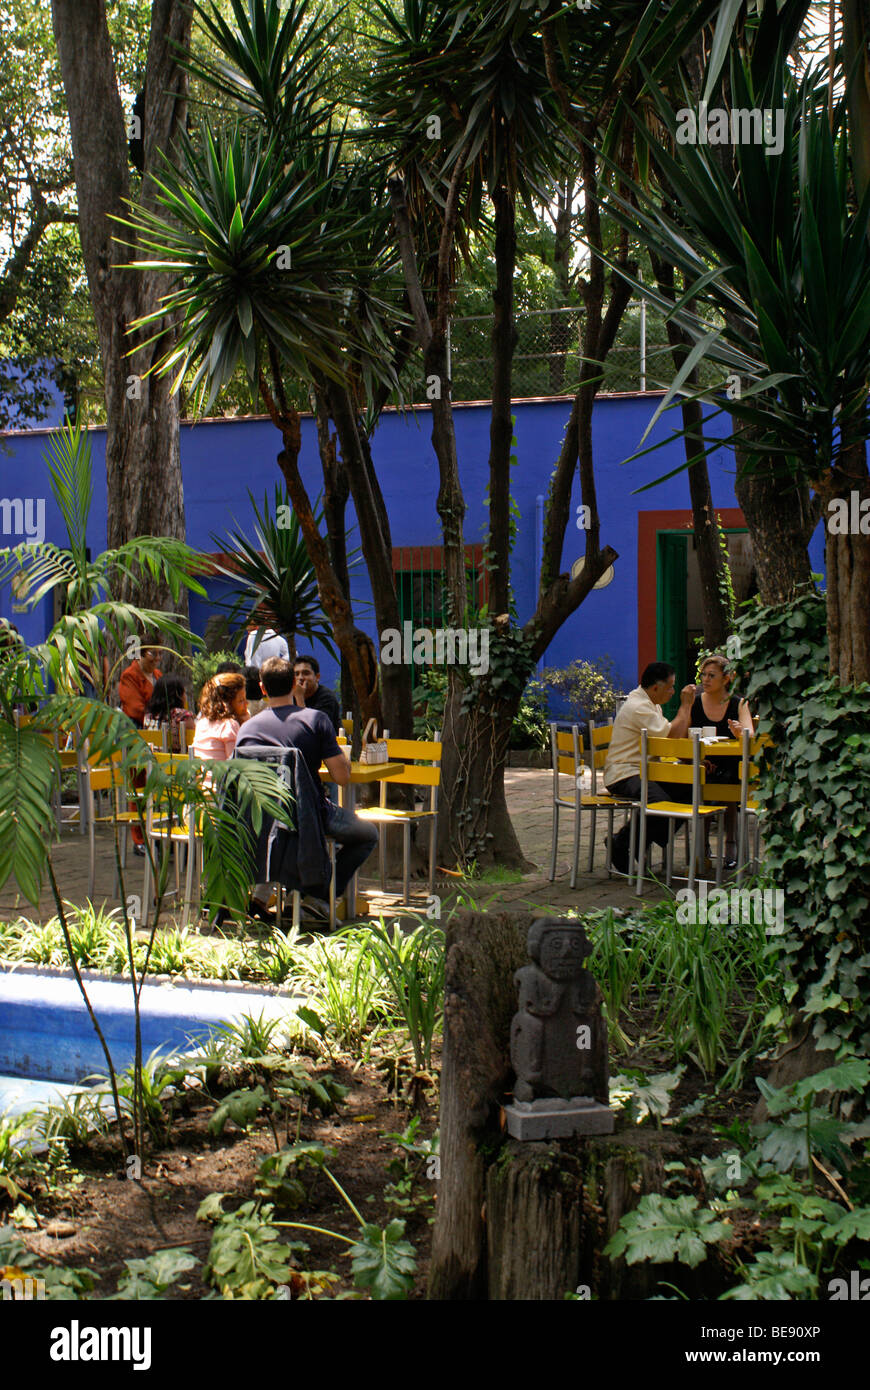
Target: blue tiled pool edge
(46, 1033)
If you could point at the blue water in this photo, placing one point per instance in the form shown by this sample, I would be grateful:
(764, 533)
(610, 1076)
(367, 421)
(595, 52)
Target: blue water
(48, 1045)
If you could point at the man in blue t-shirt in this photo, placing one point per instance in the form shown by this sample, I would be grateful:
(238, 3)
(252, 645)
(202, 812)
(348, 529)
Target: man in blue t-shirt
(285, 725)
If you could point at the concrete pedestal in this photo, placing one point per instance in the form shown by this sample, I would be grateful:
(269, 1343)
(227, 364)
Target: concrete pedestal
(557, 1118)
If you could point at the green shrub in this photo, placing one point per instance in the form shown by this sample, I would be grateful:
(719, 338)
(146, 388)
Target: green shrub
(531, 726)
(205, 666)
(589, 687)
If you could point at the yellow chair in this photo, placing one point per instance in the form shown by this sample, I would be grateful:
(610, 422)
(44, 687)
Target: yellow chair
(423, 770)
(752, 749)
(101, 778)
(176, 825)
(675, 761)
(566, 745)
(155, 738)
(599, 747)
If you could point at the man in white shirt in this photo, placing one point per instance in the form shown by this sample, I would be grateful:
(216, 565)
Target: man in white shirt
(642, 710)
(270, 644)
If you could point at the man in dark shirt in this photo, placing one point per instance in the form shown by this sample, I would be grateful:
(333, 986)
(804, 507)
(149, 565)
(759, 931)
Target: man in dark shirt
(310, 694)
(285, 725)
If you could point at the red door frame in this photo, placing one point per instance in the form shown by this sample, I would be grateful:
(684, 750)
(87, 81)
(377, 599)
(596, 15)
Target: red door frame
(648, 526)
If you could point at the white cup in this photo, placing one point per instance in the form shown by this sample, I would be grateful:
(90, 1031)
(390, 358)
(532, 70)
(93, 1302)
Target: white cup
(696, 730)
(709, 731)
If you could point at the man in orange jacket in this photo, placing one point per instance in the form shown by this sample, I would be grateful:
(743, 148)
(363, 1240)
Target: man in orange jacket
(134, 692)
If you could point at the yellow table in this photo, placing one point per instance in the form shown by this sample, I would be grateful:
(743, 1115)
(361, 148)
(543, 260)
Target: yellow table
(359, 773)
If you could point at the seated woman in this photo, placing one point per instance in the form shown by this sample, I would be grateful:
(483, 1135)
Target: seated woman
(168, 705)
(222, 710)
(713, 705)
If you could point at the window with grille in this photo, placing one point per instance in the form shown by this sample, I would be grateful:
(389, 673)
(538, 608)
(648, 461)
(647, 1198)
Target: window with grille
(420, 585)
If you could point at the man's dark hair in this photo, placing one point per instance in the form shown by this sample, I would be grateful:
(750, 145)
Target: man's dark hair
(277, 676)
(308, 661)
(230, 668)
(252, 683)
(655, 672)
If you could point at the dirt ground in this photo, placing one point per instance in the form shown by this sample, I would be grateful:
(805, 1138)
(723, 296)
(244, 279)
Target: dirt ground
(109, 1218)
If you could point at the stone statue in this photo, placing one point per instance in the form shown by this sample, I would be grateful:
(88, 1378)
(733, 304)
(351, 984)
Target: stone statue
(558, 1038)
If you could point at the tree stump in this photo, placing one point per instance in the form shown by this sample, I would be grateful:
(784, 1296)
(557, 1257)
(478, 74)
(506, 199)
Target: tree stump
(550, 1210)
(480, 999)
(520, 1220)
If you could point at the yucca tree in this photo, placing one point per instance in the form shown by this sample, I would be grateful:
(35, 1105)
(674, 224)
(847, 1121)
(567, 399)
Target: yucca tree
(272, 233)
(93, 624)
(274, 581)
(778, 264)
(528, 102)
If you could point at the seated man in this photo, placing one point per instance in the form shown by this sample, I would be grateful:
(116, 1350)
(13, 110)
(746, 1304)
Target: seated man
(642, 710)
(285, 725)
(310, 694)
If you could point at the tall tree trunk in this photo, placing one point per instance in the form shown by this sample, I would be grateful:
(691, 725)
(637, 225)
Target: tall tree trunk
(780, 521)
(504, 338)
(353, 643)
(712, 563)
(560, 326)
(336, 491)
(143, 468)
(377, 547)
(476, 742)
(847, 561)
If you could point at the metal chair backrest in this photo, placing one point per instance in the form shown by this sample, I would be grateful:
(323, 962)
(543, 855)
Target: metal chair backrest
(423, 768)
(599, 746)
(656, 765)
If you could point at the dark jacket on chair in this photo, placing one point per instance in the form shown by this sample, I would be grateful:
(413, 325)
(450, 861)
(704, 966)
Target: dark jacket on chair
(297, 858)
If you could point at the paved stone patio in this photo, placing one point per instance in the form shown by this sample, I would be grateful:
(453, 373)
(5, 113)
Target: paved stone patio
(529, 795)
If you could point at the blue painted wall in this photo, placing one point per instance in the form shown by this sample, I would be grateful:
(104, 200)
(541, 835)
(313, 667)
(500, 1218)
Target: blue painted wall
(223, 458)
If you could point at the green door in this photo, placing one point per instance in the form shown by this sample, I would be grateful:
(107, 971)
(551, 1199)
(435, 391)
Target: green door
(671, 608)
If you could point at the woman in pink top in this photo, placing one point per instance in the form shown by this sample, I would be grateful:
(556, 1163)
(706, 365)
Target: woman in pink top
(222, 710)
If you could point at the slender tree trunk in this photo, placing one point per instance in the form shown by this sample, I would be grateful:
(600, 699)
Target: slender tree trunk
(336, 491)
(396, 679)
(712, 563)
(143, 469)
(504, 338)
(560, 327)
(354, 644)
(847, 561)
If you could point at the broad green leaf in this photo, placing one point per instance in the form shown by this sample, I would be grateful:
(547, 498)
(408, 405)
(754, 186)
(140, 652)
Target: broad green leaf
(383, 1262)
(667, 1228)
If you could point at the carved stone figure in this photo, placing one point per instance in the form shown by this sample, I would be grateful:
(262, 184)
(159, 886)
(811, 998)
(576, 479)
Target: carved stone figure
(558, 1037)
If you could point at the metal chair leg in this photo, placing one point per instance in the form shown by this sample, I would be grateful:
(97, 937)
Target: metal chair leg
(591, 858)
(406, 855)
(575, 850)
(382, 856)
(332, 917)
(693, 854)
(641, 855)
(555, 841)
(433, 846)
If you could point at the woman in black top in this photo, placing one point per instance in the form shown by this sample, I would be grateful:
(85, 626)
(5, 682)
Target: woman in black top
(714, 706)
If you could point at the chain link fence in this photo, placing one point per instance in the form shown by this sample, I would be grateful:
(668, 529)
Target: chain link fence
(547, 357)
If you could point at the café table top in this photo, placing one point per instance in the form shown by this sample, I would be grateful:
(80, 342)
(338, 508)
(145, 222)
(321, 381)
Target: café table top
(728, 746)
(367, 772)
